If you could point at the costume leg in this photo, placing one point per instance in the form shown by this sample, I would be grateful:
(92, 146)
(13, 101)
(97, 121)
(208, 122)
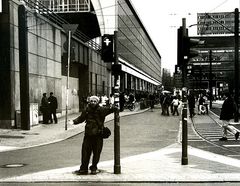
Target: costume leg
(86, 152)
(97, 149)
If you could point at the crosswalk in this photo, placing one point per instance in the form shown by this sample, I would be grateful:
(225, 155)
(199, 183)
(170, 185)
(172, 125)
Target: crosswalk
(211, 131)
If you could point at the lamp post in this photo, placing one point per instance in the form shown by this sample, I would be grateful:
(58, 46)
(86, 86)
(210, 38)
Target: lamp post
(70, 29)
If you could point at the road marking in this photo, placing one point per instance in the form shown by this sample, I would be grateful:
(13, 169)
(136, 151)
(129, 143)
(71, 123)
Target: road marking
(7, 148)
(231, 145)
(233, 155)
(218, 139)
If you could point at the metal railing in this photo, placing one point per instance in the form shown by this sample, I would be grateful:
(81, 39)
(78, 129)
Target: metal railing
(58, 20)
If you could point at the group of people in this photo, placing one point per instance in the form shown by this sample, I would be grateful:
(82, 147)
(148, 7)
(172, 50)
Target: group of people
(48, 108)
(166, 101)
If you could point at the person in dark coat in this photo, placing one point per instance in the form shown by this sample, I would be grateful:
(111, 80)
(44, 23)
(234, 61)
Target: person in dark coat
(191, 104)
(45, 108)
(152, 100)
(201, 102)
(227, 113)
(94, 115)
(53, 105)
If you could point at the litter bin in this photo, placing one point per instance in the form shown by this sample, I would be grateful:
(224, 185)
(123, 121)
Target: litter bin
(34, 120)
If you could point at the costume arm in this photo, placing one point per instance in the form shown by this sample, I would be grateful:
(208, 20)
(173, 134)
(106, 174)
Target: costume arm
(80, 119)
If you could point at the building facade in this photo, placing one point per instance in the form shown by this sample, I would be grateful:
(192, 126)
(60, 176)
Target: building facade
(37, 64)
(217, 23)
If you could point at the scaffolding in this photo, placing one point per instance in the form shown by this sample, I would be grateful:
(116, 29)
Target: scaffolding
(67, 6)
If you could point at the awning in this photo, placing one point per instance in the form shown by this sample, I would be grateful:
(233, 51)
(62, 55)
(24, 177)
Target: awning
(130, 69)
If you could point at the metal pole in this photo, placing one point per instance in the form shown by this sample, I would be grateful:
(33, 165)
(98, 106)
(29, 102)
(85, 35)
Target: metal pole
(68, 70)
(236, 33)
(117, 166)
(210, 78)
(23, 68)
(184, 111)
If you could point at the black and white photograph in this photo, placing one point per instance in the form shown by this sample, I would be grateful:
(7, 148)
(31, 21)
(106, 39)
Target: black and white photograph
(119, 93)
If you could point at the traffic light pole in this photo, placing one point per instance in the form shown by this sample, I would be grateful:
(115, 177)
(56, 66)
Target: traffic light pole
(117, 166)
(210, 78)
(236, 34)
(184, 101)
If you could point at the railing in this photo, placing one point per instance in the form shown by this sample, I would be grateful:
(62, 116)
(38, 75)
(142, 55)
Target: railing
(67, 6)
(52, 16)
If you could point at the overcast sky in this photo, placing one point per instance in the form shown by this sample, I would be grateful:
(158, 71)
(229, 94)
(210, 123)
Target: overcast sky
(162, 19)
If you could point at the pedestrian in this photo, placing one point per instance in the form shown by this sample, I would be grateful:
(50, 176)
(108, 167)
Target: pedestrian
(94, 115)
(191, 104)
(166, 104)
(175, 103)
(201, 108)
(111, 100)
(45, 108)
(151, 100)
(53, 105)
(227, 113)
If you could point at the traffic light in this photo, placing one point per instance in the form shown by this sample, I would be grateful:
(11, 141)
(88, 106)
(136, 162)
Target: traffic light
(107, 48)
(188, 44)
(180, 47)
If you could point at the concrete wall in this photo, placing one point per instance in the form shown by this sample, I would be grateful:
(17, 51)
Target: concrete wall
(45, 55)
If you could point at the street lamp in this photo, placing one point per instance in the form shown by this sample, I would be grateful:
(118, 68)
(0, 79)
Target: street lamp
(70, 29)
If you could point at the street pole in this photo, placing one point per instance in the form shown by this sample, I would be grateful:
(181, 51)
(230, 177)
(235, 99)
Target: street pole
(184, 101)
(23, 68)
(117, 166)
(70, 29)
(210, 78)
(68, 70)
(236, 39)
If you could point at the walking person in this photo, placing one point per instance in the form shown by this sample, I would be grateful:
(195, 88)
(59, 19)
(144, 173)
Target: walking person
(94, 115)
(152, 100)
(227, 113)
(53, 105)
(201, 108)
(191, 104)
(166, 104)
(45, 108)
(175, 103)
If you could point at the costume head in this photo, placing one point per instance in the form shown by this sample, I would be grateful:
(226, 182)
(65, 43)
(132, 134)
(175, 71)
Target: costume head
(94, 100)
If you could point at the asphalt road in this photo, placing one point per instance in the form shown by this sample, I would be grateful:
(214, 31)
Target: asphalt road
(140, 133)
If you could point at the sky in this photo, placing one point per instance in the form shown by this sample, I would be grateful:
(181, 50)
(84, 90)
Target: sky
(162, 19)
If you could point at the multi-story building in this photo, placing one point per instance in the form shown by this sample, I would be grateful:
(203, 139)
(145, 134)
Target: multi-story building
(217, 30)
(215, 23)
(33, 54)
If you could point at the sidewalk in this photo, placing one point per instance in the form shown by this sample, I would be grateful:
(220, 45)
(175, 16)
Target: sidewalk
(163, 165)
(41, 134)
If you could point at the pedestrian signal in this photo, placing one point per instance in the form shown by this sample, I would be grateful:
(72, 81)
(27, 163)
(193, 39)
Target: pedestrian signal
(107, 48)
